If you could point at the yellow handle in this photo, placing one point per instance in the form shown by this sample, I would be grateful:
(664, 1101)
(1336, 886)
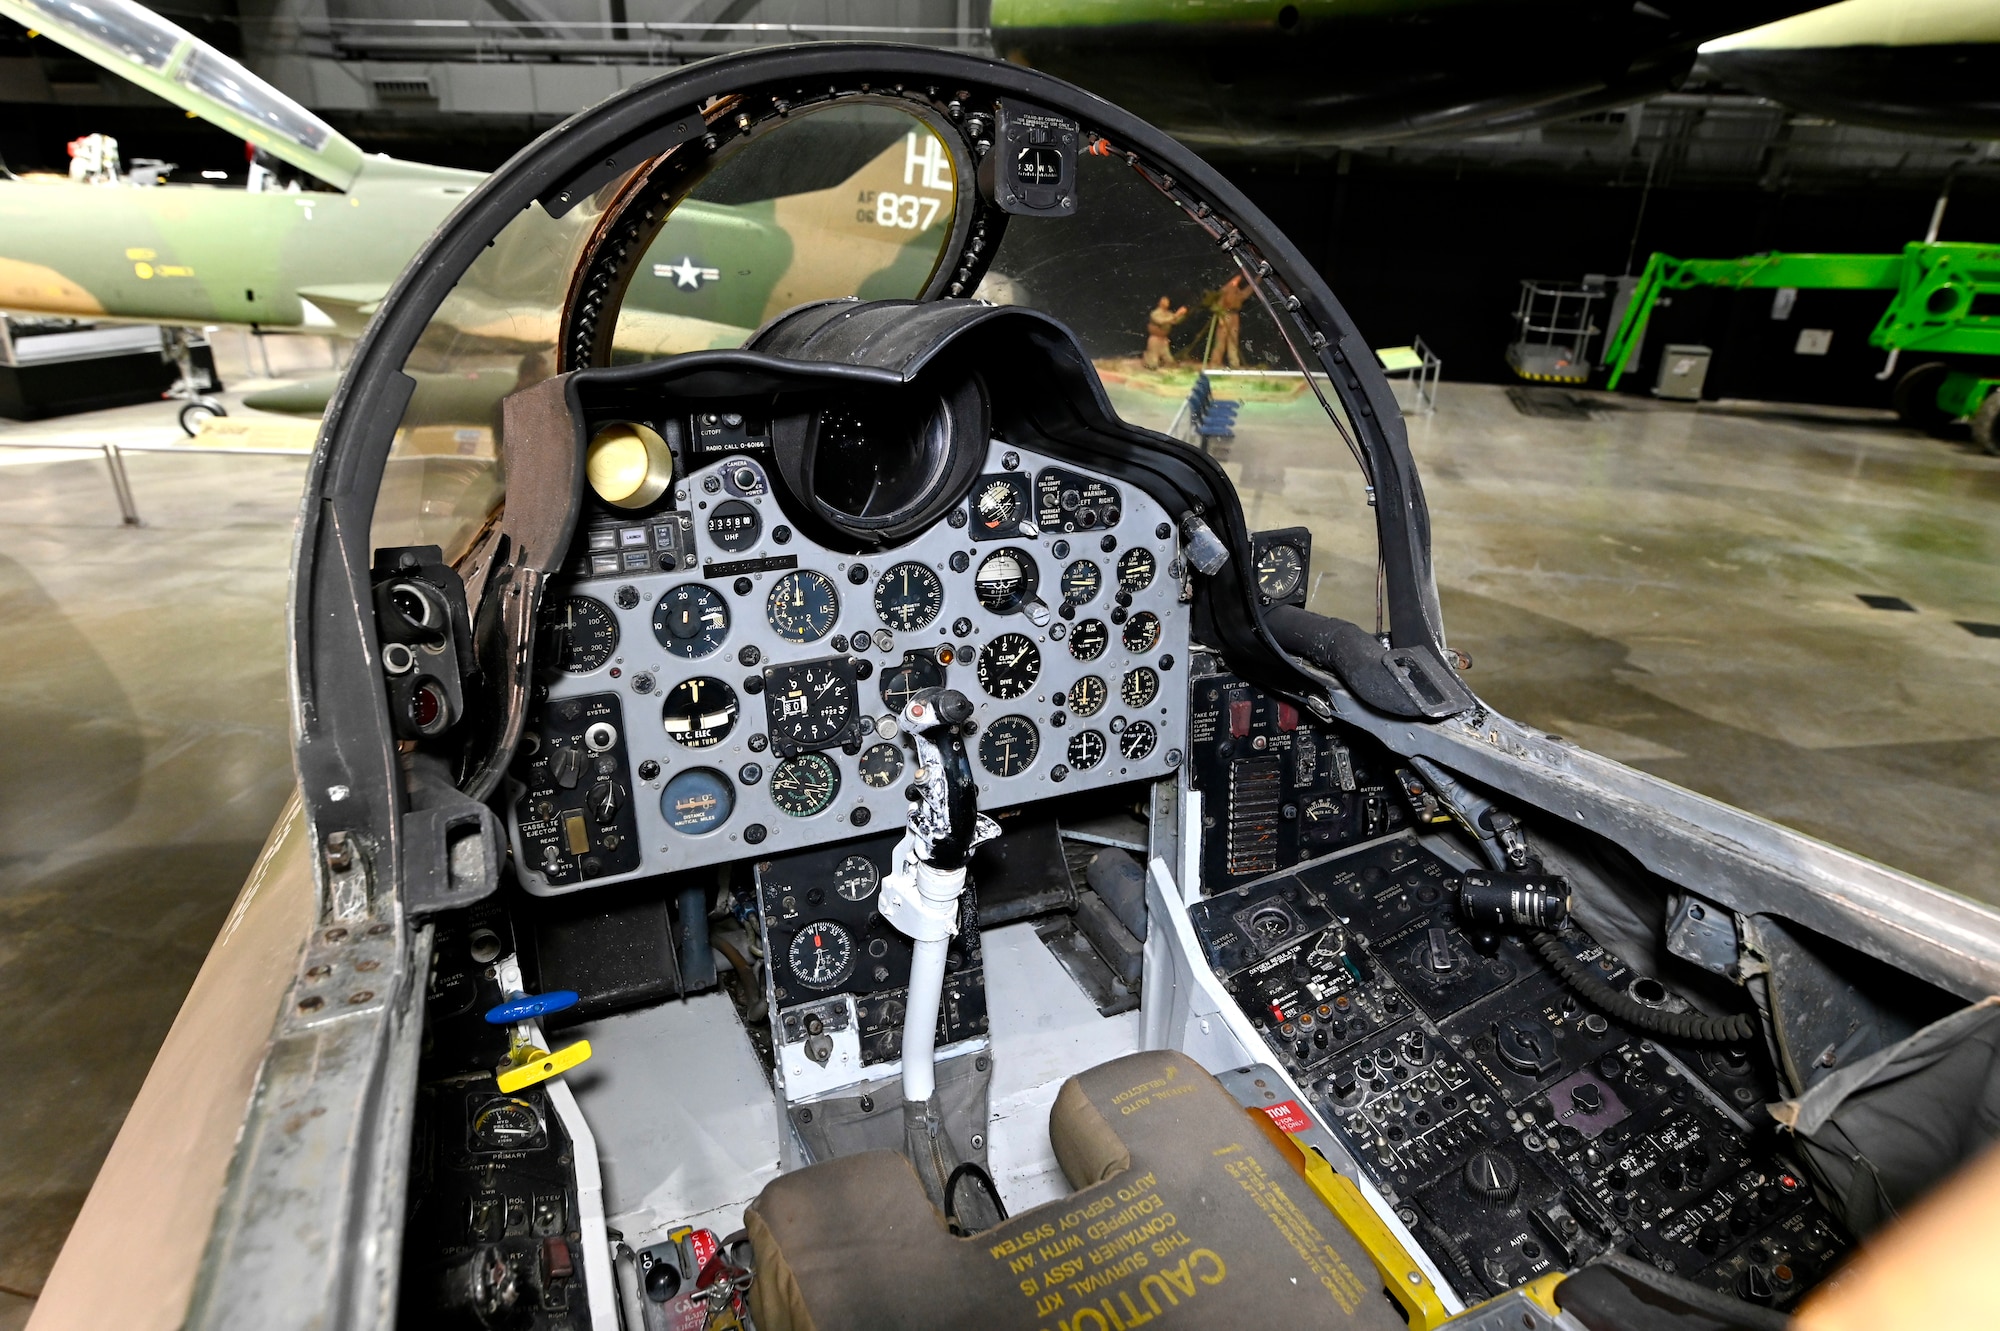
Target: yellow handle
(528, 1065)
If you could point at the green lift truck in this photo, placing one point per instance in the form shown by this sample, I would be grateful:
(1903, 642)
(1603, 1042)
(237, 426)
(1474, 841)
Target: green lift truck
(1945, 301)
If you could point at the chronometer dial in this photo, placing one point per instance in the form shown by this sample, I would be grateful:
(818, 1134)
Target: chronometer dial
(856, 878)
(1009, 665)
(1088, 640)
(691, 620)
(1142, 632)
(881, 764)
(1088, 695)
(1007, 580)
(1280, 568)
(803, 606)
(1138, 740)
(1136, 568)
(1086, 749)
(805, 785)
(1008, 746)
(810, 703)
(585, 634)
(908, 597)
(1082, 580)
(699, 712)
(821, 955)
(1139, 687)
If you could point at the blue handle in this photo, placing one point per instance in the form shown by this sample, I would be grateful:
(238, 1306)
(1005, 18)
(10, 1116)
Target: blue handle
(527, 1007)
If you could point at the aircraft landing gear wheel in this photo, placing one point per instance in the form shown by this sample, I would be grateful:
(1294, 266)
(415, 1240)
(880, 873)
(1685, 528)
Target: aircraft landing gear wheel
(1916, 397)
(197, 411)
(1986, 424)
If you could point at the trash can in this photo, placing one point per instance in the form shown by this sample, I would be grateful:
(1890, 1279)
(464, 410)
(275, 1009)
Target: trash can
(1683, 370)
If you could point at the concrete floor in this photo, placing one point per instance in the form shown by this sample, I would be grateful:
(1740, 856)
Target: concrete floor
(1674, 587)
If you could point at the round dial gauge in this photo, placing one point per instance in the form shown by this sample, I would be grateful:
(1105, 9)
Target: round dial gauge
(918, 672)
(734, 526)
(1279, 570)
(809, 702)
(1087, 696)
(1006, 580)
(1135, 569)
(691, 620)
(1088, 640)
(803, 606)
(1138, 740)
(1008, 746)
(588, 634)
(1081, 582)
(1009, 665)
(821, 955)
(697, 801)
(1086, 750)
(856, 878)
(881, 764)
(1139, 687)
(908, 597)
(1000, 503)
(805, 785)
(699, 712)
(1142, 632)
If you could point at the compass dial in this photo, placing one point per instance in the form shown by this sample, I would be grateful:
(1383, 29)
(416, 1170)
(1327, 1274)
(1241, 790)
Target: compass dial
(1138, 740)
(918, 672)
(821, 955)
(856, 878)
(1006, 581)
(1008, 746)
(1009, 665)
(691, 620)
(1088, 640)
(587, 634)
(1087, 696)
(810, 703)
(805, 785)
(881, 764)
(803, 606)
(1142, 632)
(1279, 570)
(1135, 569)
(699, 712)
(1081, 582)
(1139, 687)
(908, 597)
(1086, 750)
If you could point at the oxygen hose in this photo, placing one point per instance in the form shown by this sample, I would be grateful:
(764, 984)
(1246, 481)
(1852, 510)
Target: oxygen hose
(1692, 1026)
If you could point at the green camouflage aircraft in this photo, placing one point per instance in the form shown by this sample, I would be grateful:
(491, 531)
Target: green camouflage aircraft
(320, 259)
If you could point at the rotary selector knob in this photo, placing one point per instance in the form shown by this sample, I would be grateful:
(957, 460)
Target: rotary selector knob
(1491, 1177)
(1586, 1098)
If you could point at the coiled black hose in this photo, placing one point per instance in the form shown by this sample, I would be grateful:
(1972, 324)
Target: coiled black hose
(1696, 1027)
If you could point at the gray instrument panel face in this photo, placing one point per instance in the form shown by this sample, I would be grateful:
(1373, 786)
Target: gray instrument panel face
(648, 677)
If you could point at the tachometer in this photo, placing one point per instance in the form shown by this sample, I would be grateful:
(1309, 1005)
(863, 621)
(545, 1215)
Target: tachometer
(1087, 696)
(821, 955)
(1009, 665)
(1142, 632)
(1088, 640)
(803, 606)
(1135, 569)
(1139, 687)
(1007, 580)
(810, 703)
(699, 712)
(1008, 746)
(908, 597)
(805, 785)
(1081, 582)
(587, 633)
(691, 620)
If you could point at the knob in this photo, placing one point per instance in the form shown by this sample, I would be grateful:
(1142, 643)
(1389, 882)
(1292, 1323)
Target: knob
(1617, 1180)
(1586, 1097)
(1319, 1038)
(1670, 1176)
(566, 766)
(1754, 1285)
(1525, 1044)
(663, 1281)
(1491, 1177)
(606, 799)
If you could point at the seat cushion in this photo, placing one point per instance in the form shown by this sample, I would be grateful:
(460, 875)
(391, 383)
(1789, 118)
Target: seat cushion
(1185, 1215)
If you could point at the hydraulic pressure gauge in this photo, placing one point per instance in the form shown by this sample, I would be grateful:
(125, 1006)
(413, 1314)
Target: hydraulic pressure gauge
(1087, 696)
(803, 606)
(1008, 746)
(908, 597)
(821, 955)
(805, 785)
(1135, 569)
(691, 620)
(586, 632)
(1088, 640)
(1009, 665)
(699, 712)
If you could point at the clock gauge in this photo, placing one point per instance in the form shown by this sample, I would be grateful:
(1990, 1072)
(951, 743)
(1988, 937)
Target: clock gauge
(1279, 570)
(805, 785)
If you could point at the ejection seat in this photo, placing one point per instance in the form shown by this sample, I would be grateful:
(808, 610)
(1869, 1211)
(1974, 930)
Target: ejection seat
(1187, 1212)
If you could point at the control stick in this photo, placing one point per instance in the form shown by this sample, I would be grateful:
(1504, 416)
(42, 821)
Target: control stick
(920, 898)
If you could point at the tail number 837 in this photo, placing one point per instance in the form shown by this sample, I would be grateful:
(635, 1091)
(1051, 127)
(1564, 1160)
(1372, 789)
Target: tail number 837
(906, 212)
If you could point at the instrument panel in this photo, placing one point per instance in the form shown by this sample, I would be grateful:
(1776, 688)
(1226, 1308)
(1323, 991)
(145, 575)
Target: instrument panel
(756, 674)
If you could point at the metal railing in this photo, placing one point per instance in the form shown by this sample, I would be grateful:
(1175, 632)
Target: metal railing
(114, 462)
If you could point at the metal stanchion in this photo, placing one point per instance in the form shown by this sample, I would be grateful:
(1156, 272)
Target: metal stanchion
(121, 485)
